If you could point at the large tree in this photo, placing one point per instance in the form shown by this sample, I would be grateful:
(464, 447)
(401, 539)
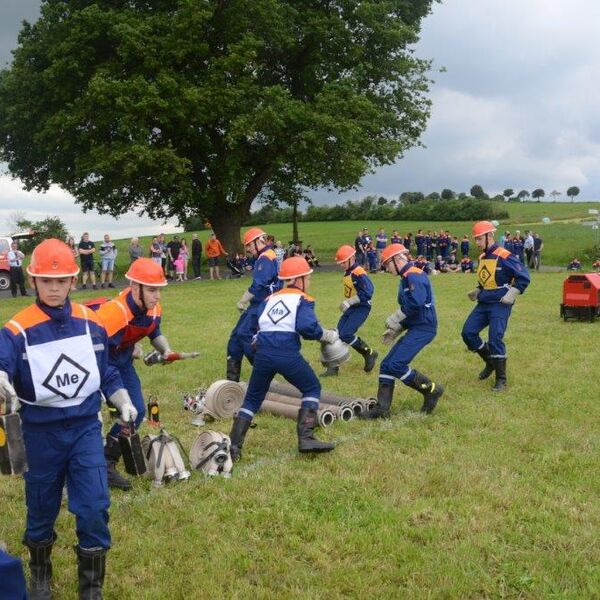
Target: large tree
(178, 108)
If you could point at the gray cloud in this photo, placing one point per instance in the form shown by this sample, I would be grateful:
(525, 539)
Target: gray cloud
(516, 108)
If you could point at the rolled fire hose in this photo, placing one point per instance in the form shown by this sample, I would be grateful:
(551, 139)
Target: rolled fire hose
(325, 415)
(223, 399)
(210, 453)
(344, 413)
(357, 404)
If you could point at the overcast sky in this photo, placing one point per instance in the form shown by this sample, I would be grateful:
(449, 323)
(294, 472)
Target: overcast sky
(516, 107)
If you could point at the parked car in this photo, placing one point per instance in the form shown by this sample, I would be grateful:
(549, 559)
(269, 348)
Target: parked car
(5, 242)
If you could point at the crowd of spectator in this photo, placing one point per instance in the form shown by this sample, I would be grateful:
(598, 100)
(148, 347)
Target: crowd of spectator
(433, 251)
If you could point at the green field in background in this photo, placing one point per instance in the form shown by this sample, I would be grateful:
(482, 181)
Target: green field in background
(564, 237)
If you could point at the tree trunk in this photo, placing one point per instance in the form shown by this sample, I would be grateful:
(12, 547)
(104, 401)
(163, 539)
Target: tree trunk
(226, 222)
(295, 235)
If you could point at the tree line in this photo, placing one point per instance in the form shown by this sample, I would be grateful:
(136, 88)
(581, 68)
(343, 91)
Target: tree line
(372, 208)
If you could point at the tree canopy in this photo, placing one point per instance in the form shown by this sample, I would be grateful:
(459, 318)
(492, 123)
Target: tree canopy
(572, 192)
(182, 108)
(477, 191)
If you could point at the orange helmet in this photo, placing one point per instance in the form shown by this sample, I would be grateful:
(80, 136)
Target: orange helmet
(392, 250)
(253, 234)
(344, 253)
(52, 258)
(294, 267)
(483, 227)
(146, 272)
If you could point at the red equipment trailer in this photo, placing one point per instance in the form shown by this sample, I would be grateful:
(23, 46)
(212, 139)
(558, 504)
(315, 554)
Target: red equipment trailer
(581, 297)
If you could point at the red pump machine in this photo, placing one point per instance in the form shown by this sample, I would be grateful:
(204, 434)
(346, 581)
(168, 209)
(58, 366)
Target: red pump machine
(581, 297)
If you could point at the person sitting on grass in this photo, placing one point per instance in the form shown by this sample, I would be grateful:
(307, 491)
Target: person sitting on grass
(452, 263)
(467, 265)
(310, 258)
(596, 265)
(574, 265)
(441, 266)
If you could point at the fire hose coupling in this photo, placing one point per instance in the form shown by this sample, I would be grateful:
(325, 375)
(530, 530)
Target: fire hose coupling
(155, 357)
(195, 403)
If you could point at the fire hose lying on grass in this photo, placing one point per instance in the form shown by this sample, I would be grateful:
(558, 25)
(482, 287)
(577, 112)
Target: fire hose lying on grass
(224, 398)
(325, 415)
(343, 412)
(358, 405)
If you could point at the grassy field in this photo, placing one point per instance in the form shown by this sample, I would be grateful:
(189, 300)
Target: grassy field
(493, 496)
(564, 237)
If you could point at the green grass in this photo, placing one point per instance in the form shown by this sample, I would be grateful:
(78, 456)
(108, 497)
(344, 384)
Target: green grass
(493, 496)
(564, 237)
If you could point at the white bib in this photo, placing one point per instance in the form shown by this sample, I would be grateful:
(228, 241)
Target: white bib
(280, 313)
(64, 372)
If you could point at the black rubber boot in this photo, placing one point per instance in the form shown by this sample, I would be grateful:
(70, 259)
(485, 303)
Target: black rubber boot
(484, 352)
(500, 368)
(431, 391)
(239, 429)
(112, 453)
(381, 410)
(330, 372)
(40, 566)
(234, 369)
(91, 568)
(307, 442)
(367, 353)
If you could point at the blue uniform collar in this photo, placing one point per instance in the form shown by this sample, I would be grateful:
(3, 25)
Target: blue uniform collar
(491, 248)
(406, 267)
(133, 307)
(59, 313)
(348, 271)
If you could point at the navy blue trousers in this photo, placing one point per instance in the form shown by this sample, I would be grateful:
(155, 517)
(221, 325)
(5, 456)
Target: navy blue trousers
(240, 340)
(350, 322)
(70, 451)
(495, 316)
(396, 364)
(295, 370)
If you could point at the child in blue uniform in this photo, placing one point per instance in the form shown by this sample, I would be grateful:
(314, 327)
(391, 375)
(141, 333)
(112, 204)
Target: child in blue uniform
(53, 364)
(284, 318)
(358, 292)
(134, 314)
(264, 282)
(501, 278)
(417, 317)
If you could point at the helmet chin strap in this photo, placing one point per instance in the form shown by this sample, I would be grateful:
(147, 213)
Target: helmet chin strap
(299, 283)
(487, 243)
(141, 297)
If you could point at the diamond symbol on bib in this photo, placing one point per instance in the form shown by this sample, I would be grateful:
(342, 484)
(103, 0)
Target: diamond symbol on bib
(484, 275)
(278, 312)
(66, 377)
